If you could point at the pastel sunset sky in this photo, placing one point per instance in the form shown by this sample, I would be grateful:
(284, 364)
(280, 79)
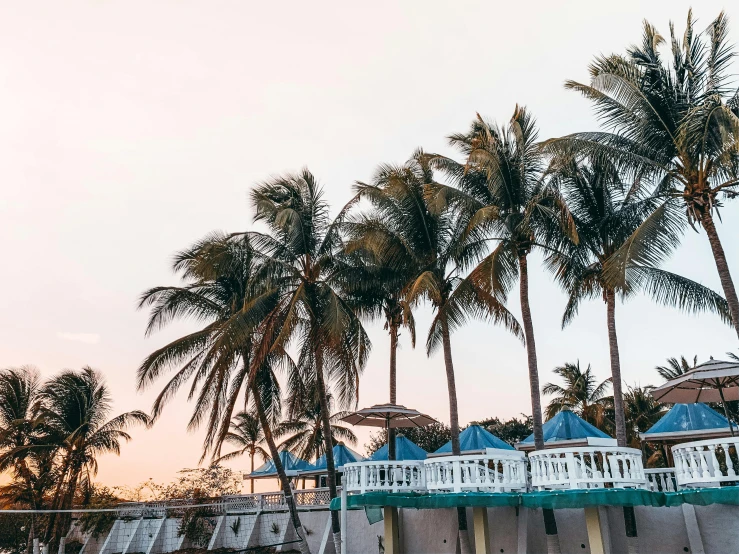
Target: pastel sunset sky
(131, 129)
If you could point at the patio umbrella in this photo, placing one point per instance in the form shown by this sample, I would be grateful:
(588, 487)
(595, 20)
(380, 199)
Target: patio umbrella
(389, 416)
(712, 381)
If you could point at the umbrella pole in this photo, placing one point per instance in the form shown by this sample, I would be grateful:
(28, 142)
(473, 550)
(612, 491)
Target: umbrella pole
(726, 410)
(390, 440)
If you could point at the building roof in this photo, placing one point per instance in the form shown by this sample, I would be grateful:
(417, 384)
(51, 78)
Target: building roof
(475, 438)
(342, 455)
(405, 449)
(290, 462)
(566, 426)
(688, 420)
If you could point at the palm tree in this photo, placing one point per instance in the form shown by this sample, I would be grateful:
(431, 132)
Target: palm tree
(75, 408)
(642, 411)
(673, 123)
(605, 212)
(581, 393)
(220, 291)
(500, 190)
(301, 258)
(675, 368)
(304, 425)
(21, 429)
(25, 448)
(403, 227)
(374, 287)
(246, 435)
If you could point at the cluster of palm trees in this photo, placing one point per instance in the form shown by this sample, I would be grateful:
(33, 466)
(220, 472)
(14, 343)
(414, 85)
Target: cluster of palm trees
(604, 208)
(51, 434)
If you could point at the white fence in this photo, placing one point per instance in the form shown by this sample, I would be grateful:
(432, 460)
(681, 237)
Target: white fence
(706, 463)
(395, 476)
(234, 504)
(588, 467)
(661, 479)
(494, 471)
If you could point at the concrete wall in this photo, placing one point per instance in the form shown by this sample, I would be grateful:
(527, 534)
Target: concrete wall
(714, 530)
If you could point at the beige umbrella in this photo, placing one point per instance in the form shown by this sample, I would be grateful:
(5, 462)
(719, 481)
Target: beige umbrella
(389, 416)
(712, 381)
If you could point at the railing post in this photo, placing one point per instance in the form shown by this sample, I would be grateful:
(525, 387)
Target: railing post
(456, 475)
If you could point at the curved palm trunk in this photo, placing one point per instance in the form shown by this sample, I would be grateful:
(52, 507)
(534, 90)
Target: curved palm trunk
(393, 385)
(454, 424)
(550, 523)
(723, 268)
(328, 446)
(284, 482)
(618, 397)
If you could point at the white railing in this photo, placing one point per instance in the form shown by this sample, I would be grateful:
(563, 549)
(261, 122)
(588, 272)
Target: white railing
(393, 476)
(231, 504)
(706, 463)
(661, 479)
(587, 467)
(494, 471)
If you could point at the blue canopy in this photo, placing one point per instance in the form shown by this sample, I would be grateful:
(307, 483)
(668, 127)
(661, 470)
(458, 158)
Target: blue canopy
(405, 449)
(475, 438)
(342, 455)
(290, 462)
(688, 420)
(566, 426)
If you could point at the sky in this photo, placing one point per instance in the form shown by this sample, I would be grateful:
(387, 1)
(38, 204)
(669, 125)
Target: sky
(131, 129)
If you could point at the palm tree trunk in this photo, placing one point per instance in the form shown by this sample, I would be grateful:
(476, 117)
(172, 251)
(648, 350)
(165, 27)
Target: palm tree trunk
(328, 446)
(454, 424)
(251, 481)
(550, 523)
(393, 384)
(528, 329)
(618, 397)
(284, 482)
(723, 268)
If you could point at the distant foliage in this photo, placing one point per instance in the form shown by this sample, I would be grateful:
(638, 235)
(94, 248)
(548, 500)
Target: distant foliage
(512, 430)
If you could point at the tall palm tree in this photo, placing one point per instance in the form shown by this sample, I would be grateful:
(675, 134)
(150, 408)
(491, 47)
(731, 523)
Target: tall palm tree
(301, 259)
(501, 191)
(605, 212)
(674, 123)
(75, 407)
(305, 428)
(247, 435)
(374, 287)
(675, 368)
(581, 393)
(220, 291)
(403, 227)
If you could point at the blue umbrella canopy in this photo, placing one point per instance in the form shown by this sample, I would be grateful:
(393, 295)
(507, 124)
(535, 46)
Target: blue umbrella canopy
(290, 462)
(566, 426)
(475, 438)
(342, 455)
(405, 449)
(688, 420)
